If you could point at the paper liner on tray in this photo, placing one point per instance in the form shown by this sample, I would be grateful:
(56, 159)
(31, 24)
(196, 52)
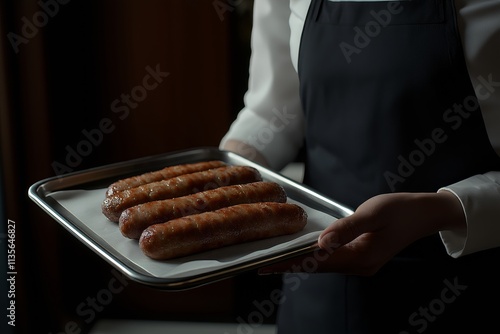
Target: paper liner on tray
(85, 206)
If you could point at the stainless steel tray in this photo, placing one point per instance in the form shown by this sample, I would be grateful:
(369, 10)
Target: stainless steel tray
(79, 184)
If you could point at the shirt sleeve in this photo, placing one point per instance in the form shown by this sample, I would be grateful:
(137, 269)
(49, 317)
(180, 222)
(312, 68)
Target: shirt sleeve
(480, 198)
(480, 194)
(271, 120)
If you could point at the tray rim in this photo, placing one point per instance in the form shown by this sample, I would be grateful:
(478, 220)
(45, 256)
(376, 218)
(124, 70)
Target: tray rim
(39, 191)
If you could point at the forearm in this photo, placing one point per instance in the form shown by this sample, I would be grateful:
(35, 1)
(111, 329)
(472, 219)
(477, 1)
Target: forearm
(444, 210)
(270, 126)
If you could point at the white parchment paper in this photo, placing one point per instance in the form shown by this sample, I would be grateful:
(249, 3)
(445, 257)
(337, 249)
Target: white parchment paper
(85, 205)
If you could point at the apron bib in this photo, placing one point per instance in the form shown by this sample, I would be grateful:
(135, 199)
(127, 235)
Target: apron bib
(389, 107)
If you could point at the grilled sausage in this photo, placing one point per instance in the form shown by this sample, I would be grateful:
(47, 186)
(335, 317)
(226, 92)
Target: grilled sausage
(182, 185)
(214, 229)
(162, 174)
(135, 219)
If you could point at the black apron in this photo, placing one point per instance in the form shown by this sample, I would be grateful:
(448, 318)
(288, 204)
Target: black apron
(389, 107)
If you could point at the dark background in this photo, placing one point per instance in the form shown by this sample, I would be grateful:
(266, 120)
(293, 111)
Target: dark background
(62, 81)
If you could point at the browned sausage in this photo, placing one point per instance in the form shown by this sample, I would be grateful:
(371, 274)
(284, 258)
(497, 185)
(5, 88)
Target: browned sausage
(182, 185)
(135, 219)
(214, 229)
(162, 174)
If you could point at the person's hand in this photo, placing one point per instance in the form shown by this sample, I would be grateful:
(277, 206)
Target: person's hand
(379, 229)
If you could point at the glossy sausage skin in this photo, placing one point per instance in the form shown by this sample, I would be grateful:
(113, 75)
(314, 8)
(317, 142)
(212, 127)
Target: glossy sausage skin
(182, 185)
(162, 174)
(215, 229)
(135, 219)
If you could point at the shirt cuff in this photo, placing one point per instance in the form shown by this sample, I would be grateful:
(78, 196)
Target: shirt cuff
(480, 198)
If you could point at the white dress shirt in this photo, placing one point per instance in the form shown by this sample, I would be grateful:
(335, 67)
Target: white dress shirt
(272, 119)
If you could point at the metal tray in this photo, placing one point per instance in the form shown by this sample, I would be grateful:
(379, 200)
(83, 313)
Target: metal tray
(44, 192)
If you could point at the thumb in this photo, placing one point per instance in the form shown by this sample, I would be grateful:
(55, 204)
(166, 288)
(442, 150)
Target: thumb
(342, 231)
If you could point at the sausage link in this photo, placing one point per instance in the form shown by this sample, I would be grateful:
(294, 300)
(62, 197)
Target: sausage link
(182, 185)
(214, 229)
(162, 174)
(135, 219)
